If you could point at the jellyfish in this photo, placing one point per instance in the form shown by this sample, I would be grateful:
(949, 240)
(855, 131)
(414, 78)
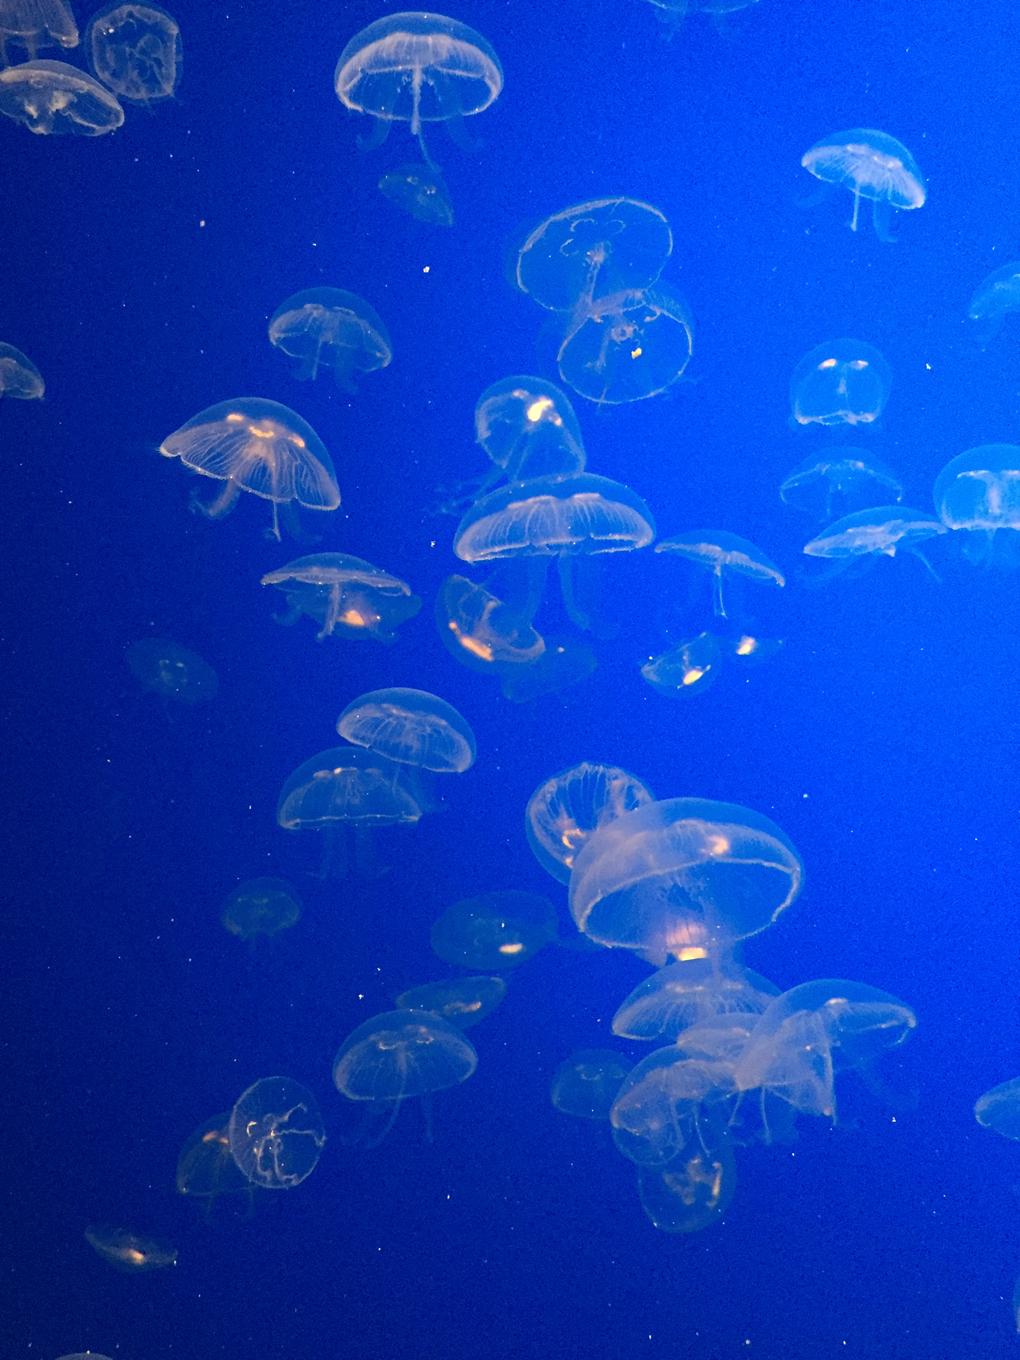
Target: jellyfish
(658, 1109)
(884, 529)
(999, 1109)
(172, 672)
(420, 191)
(129, 1251)
(254, 445)
(480, 631)
(691, 1192)
(528, 428)
(565, 662)
(723, 554)
(276, 1133)
(135, 50)
(627, 346)
(587, 1083)
(496, 930)
(872, 165)
(346, 595)
(347, 788)
(683, 875)
(689, 992)
(32, 24)
(19, 377)
(463, 1002)
(842, 479)
(418, 68)
(412, 727)
(749, 650)
(206, 1168)
(996, 296)
(690, 668)
(50, 96)
(342, 324)
(565, 810)
(978, 492)
(843, 382)
(261, 906)
(673, 12)
(401, 1055)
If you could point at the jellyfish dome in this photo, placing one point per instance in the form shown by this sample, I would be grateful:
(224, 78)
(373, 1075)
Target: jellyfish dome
(462, 1001)
(587, 1083)
(261, 906)
(999, 1109)
(527, 426)
(843, 382)
(350, 785)
(276, 1133)
(694, 1190)
(994, 297)
(565, 811)
(412, 727)
(495, 930)
(32, 24)
(328, 323)
(346, 594)
(627, 346)
(872, 165)
(690, 668)
(19, 377)
(657, 1111)
(723, 554)
(687, 993)
(980, 489)
(50, 96)
(683, 875)
(883, 529)
(135, 50)
(841, 478)
(481, 631)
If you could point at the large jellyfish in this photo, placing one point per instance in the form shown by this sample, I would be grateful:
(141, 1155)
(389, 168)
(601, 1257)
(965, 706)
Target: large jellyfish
(50, 96)
(843, 382)
(330, 325)
(135, 50)
(345, 594)
(412, 727)
(872, 165)
(276, 1133)
(564, 811)
(32, 24)
(723, 554)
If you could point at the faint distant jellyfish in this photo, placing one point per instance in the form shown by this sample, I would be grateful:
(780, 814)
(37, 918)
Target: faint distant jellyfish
(691, 668)
(463, 1001)
(627, 346)
(564, 663)
(480, 631)
(411, 727)
(346, 595)
(322, 325)
(565, 811)
(723, 554)
(418, 68)
(135, 50)
(587, 1083)
(843, 382)
(842, 479)
(691, 1192)
(401, 1055)
(979, 492)
(254, 445)
(19, 377)
(32, 24)
(50, 97)
(261, 906)
(128, 1251)
(999, 1109)
(171, 671)
(681, 875)
(528, 428)
(995, 297)
(276, 1133)
(206, 1168)
(885, 529)
(496, 930)
(421, 192)
(687, 993)
(872, 165)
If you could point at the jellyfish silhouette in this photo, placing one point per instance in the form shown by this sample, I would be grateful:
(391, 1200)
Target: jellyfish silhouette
(566, 810)
(658, 1108)
(135, 50)
(690, 668)
(19, 377)
(421, 192)
(346, 595)
(691, 1192)
(586, 1084)
(50, 96)
(128, 1251)
(32, 24)
(412, 727)
(872, 165)
(840, 481)
(321, 323)
(843, 382)
(723, 554)
(172, 672)
(206, 1169)
(995, 297)
(276, 1133)
(496, 930)
(261, 906)
(462, 1001)
(563, 663)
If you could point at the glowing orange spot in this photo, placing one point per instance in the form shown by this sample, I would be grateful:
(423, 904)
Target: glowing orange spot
(718, 845)
(827, 363)
(514, 948)
(691, 952)
(136, 1257)
(636, 353)
(480, 649)
(353, 619)
(235, 417)
(262, 434)
(692, 676)
(746, 646)
(538, 408)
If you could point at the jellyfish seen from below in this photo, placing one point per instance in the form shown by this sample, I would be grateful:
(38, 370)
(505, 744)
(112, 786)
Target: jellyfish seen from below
(689, 669)
(19, 377)
(496, 930)
(412, 727)
(421, 192)
(418, 68)
(33, 24)
(462, 1001)
(999, 1109)
(346, 595)
(978, 492)
(885, 529)
(843, 382)
(691, 1192)
(261, 906)
(627, 346)
(206, 1168)
(566, 810)
(329, 325)
(397, 1056)
(683, 875)
(528, 428)
(254, 445)
(564, 663)
(723, 554)
(276, 1133)
(135, 50)
(688, 993)
(872, 165)
(128, 1251)
(172, 672)
(658, 1109)
(50, 97)
(840, 481)
(995, 298)
(587, 1083)
(480, 631)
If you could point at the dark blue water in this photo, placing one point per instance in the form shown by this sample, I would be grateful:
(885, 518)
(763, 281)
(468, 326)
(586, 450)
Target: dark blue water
(139, 271)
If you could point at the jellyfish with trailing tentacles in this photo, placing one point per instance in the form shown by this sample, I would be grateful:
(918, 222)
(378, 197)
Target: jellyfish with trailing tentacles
(627, 346)
(882, 531)
(872, 165)
(723, 554)
(345, 594)
(330, 325)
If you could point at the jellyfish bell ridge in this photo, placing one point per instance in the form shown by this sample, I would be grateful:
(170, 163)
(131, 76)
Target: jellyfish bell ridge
(688, 993)
(882, 529)
(410, 726)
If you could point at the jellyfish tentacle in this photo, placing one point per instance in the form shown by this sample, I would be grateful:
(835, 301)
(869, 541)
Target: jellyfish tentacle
(857, 205)
(566, 575)
(718, 607)
(375, 138)
(881, 214)
(222, 505)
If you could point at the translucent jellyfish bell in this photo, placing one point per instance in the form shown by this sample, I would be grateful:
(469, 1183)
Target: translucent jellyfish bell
(420, 191)
(32, 24)
(135, 50)
(528, 428)
(657, 1111)
(999, 1109)
(481, 631)
(587, 1083)
(50, 97)
(172, 672)
(840, 480)
(129, 1251)
(885, 529)
(261, 906)
(723, 554)
(693, 1191)
(688, 669)
(979, 490)
(461, 1001)
(496, 930)
(687, 993)
(627, 346)
(411, 727)
(564, 662)
(872, 165)
(19, 377)
(843, 382)
(346, 595)
(995, 297)
(206, 1168)
(276, 1133)
(565, 811)
(329, 325)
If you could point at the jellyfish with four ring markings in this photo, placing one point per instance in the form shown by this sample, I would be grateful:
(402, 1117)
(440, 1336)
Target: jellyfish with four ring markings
(690, 668)
(886, 529)
(995, 297)
(135, 50)
(276, 1133)
(843, 382)
(627, 346)
(462, 1001)
(330, 324)
(496, 930)
(32, 24)
(872, 165)
(411, 727)
(19, 377)
(723, 554)
(587, 1083)
(840, 479)
(50, 96)
(567, 809)
(345, 594)
(421, 192)
(261, 906)
(172, 672)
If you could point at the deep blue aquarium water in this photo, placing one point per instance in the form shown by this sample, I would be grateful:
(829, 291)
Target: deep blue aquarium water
(139, 273)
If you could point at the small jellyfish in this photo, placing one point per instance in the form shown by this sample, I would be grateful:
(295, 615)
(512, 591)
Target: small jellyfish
(843, 382)
(496, 930)
(564, 811)
(172, 672)
(411, 727)
(749, 650)
(261, 906)
(276, 1133)
(206, 1169)
(50, 96)
(401, 1055)
(420, 191)
(463, 1002)
(480, 631)
(135, 50)
(658, 1110)
(627, 346)
(872, 165)
(528, 428)
(996, 296)
(254, 445)
(999, 1109)
(978, 492)
(565, 662)
(723, 554)
(346, 595)
(587, 1083)
(417, 68)
(689, 992)
(884, 529)
(128, 1251)
(688, 669)
(691, 1192)
(840, 481)
(342, 324)
(32, 24)
(19, 377)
